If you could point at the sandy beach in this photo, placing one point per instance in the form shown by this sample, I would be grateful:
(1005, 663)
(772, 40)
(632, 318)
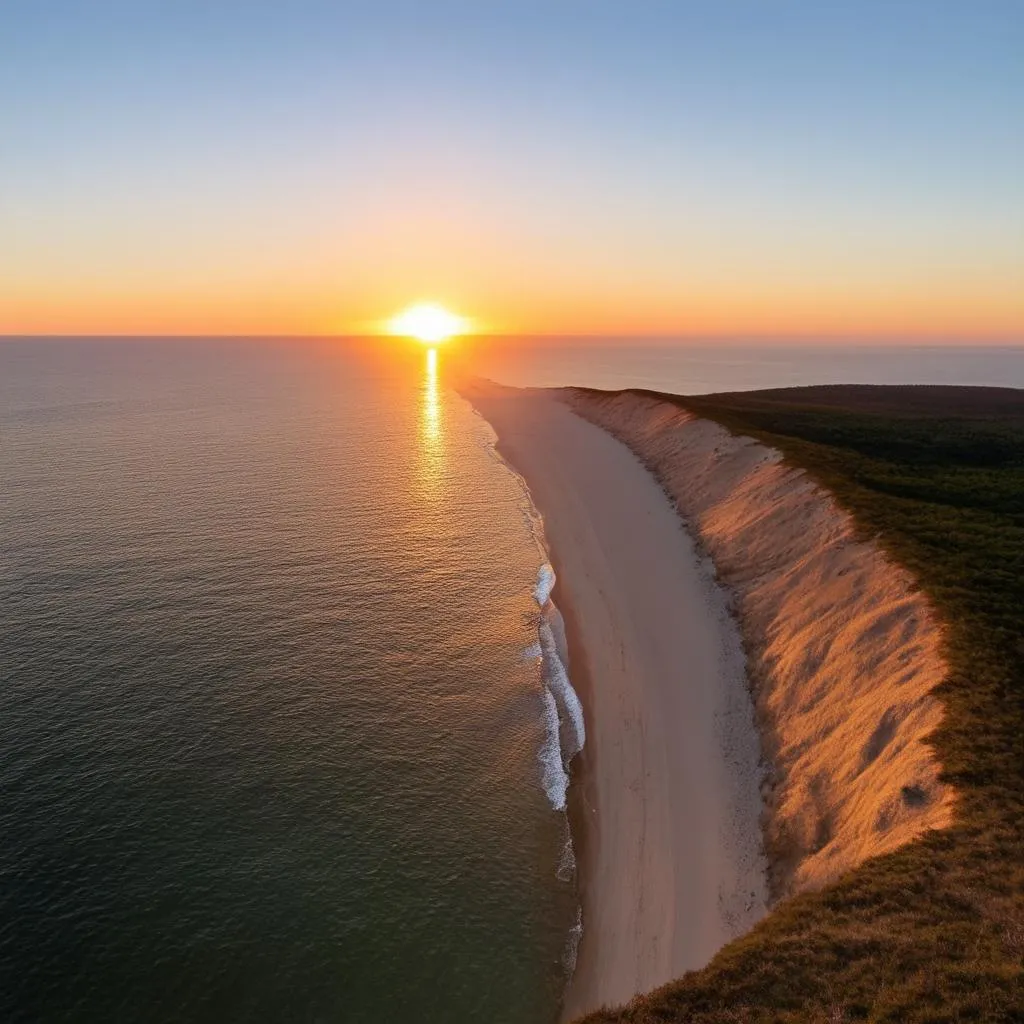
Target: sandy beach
(665, 800)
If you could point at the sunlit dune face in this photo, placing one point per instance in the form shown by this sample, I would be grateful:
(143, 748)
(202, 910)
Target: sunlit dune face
(428, 323)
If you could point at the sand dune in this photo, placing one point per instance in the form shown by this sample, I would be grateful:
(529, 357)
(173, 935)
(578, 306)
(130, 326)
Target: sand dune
(843, 649)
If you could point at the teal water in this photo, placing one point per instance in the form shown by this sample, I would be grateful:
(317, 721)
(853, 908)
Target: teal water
(270, 747)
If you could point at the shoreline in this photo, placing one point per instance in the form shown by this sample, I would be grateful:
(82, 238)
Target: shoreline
(663, 805)
(579, 798)
(579, 808)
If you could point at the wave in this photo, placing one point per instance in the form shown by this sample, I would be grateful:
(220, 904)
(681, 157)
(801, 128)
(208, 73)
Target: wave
(555, 779)
(557, 679)
(545, 584)
(564, 730)
(563, 714)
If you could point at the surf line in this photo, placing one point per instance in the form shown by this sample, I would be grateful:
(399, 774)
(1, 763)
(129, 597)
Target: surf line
(564, 728)
(565, 731)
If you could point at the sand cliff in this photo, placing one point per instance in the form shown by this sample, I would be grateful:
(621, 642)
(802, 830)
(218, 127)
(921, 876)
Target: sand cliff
(842, 650)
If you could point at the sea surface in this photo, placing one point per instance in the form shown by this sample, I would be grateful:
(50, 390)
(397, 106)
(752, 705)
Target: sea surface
(284, 717)
(695, 368)
(273, 716)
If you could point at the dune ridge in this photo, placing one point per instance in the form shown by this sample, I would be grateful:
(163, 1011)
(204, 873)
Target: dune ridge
(843, 651)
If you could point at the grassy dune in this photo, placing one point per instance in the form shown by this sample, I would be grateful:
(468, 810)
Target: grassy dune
(935, 931)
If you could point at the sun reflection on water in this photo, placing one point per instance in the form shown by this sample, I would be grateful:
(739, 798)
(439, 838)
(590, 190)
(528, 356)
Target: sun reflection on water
(431, 409)
(431, 428)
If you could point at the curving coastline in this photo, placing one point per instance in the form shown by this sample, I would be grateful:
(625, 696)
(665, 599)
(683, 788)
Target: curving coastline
(841, 655)
(664, 801)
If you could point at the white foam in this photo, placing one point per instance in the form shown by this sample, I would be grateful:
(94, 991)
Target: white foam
(533, 652)
(554, 777)
(552, 650)
(567, 864)
(545, 584)
(572, 943)
(557, 624)
(563, 713)
(557, 679)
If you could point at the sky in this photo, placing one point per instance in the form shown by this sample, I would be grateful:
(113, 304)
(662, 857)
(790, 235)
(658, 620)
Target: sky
(757, 168)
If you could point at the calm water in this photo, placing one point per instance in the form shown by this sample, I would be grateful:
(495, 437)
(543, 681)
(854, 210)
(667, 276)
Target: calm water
(702, 369)
(270, 743)
(274, 745)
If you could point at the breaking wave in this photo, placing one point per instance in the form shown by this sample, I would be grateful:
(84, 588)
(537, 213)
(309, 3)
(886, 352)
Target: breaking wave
(565, 732)
(555, 779)
(545, 584)
(557, 679)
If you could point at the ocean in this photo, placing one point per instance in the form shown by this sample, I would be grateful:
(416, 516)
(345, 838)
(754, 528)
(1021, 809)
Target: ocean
(273, 726)
(286, 722)
(703, 368)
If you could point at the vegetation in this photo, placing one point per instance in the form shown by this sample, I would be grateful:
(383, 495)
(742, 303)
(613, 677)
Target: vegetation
(935, 931)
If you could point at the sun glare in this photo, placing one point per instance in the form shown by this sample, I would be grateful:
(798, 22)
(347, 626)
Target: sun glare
(428, 323)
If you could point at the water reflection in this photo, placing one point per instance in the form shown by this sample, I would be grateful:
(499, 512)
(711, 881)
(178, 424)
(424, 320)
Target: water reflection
(431, 409)
(431, 427)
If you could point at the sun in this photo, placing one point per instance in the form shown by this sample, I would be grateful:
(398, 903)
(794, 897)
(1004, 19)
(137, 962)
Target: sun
(428, 323)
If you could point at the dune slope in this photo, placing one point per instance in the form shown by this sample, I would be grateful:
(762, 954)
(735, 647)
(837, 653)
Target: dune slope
(842, 650)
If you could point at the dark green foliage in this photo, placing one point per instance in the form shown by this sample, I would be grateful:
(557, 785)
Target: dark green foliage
(935, 931)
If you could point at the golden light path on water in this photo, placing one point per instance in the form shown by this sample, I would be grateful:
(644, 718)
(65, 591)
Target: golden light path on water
(431, 431)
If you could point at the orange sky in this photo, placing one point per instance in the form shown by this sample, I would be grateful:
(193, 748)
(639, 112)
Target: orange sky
(687, 273)
(958, 309)
(675, 170)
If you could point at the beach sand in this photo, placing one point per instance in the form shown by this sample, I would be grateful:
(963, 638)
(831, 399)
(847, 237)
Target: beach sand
(665, 798)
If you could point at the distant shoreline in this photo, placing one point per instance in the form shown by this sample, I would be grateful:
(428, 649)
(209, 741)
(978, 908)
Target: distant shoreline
(842, 654)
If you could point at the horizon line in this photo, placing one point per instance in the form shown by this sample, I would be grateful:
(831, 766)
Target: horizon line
(909, 340)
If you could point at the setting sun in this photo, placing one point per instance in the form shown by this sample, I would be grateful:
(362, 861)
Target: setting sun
(428, 323)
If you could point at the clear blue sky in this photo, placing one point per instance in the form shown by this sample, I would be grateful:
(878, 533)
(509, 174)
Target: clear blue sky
(636, 165)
